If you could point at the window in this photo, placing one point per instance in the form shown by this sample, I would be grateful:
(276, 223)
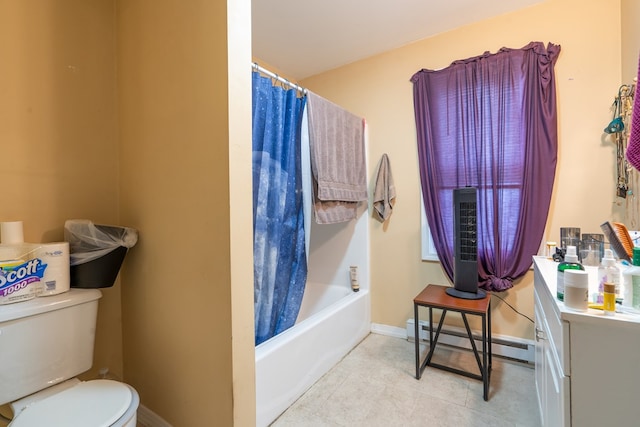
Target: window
(429, 252)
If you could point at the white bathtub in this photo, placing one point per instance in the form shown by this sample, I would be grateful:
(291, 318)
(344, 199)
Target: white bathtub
(333, 320)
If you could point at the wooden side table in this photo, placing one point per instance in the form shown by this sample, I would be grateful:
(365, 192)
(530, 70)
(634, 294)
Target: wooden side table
(434, 296)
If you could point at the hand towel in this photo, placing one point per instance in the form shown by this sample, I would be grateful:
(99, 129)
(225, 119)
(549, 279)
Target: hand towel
(338, 164)
(633, 149)
(384, 191)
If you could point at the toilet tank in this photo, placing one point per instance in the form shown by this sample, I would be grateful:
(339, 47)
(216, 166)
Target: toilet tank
(46, 340)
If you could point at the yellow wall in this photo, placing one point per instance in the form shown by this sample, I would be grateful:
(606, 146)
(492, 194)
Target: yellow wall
(630, 39)
(137, 113)
(58, 130)
(184, 141)
(588, 74)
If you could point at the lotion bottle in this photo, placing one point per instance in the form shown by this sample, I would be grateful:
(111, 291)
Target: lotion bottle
(570, 263)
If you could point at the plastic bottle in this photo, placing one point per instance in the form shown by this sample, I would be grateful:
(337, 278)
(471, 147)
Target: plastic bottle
(608, 273)
(570, 263)
(576, 289)
(632, 282)
(609, 300)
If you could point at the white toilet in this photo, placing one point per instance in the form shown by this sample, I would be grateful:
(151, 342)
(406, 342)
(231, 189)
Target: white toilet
(44, 343)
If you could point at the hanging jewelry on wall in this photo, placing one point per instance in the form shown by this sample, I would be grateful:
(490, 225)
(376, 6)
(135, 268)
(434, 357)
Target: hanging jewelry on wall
(619, 129)
(628, 179)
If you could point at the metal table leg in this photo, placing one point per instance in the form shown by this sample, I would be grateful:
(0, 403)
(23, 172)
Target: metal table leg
(416, 339)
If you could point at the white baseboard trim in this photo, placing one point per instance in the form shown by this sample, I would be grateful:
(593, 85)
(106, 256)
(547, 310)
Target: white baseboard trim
(148, 418)
(390, 331)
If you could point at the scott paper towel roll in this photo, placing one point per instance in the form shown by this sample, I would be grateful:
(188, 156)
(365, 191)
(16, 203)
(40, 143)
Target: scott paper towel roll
(11, 232)
(56, 274)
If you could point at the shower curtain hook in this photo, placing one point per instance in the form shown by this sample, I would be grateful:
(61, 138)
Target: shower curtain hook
(277, 79)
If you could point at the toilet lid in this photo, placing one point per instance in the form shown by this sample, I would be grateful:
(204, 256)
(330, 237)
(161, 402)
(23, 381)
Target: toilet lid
(98, 403)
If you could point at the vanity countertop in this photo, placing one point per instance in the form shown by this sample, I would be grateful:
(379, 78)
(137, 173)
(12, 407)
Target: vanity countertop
(548, 269)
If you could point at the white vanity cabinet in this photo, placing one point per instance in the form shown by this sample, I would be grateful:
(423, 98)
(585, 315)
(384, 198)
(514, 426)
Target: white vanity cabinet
(587, 365)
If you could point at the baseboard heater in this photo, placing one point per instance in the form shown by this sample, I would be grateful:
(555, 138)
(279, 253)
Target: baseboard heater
(506, 347)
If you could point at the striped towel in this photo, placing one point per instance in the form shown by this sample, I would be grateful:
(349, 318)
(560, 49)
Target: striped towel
(338, 164)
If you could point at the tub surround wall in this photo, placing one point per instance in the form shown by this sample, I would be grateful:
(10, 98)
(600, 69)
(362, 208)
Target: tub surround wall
(336, 247)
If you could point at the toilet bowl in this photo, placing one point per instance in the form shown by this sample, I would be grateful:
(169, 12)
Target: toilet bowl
(95, 403)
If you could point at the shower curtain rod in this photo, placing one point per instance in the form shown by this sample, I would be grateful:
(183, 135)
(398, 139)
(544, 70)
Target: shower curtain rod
(282, 80)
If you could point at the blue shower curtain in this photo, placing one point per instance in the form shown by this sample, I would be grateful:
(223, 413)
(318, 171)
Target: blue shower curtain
(280, 266)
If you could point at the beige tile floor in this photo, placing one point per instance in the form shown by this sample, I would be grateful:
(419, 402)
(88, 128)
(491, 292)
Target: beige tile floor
(375, 385)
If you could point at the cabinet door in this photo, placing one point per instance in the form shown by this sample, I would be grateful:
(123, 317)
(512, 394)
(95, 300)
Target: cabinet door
(557, 390)
(552, 386)
(540, 361)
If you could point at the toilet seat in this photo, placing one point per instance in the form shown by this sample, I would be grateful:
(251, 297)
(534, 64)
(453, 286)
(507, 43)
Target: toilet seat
(98, 403)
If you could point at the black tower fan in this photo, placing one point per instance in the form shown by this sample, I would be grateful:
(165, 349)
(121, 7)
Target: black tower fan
(465, 245)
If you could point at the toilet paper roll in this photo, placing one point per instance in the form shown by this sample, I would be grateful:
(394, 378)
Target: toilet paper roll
(56, 275)
(11, 232)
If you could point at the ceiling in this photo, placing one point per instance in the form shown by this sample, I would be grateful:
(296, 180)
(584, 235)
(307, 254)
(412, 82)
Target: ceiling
(302, 38)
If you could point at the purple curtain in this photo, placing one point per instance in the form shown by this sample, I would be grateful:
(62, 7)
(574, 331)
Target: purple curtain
(490, 122)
